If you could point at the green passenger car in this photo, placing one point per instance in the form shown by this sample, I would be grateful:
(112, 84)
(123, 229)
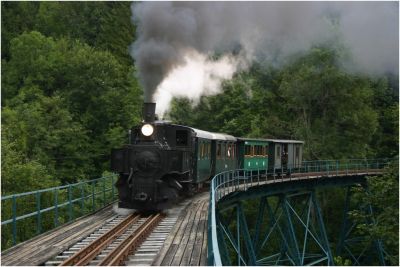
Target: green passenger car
(224, 152)
(252, 154)
(203, 160)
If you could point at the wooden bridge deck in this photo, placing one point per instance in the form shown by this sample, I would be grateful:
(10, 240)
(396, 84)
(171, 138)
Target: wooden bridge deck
(185, 245)
(47, 245)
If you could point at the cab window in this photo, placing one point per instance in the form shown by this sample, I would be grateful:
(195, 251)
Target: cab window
(181, 138)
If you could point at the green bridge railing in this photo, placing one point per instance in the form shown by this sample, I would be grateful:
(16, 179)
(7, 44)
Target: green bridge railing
(26, 215)
(233, 181)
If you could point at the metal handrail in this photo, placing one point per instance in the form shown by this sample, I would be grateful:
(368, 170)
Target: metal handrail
(54, 198)
(227, 182)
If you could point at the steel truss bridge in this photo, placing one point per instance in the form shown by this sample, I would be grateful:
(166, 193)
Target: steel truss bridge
(257, 218)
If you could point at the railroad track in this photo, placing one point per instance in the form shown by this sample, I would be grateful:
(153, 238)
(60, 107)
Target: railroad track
(123, 240)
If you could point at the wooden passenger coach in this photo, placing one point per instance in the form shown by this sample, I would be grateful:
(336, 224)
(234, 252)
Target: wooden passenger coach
(215, 153)
(285, 154)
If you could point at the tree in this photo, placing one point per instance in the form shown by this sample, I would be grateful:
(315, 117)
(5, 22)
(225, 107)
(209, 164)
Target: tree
(42, 130)
(94, 95)
(103, 25)
(330, 109)
(385, 102)
(16, 18)
(383, 196)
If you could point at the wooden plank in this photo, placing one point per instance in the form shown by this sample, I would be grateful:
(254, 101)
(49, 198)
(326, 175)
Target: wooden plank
(31, 249)
(169, 240)
(203, 256)
(47, 245)
(192, 237)
(186, 226)
(184, 236)
(46, 237)
(47, 251)
(198, 245)
(42, 238)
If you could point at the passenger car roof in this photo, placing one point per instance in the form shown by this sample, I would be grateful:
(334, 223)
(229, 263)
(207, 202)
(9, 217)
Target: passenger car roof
(226, 137)
(272, 140)
(213, 136)
(286, 141)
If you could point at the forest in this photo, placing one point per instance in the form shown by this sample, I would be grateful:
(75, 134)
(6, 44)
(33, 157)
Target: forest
(70, 92)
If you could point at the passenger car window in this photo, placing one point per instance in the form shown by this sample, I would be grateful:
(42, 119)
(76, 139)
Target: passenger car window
(247, 151)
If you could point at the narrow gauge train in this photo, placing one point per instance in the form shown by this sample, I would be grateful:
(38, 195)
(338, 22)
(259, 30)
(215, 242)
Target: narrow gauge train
(164, 161)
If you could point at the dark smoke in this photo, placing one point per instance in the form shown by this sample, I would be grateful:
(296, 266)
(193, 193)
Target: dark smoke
(251, 31)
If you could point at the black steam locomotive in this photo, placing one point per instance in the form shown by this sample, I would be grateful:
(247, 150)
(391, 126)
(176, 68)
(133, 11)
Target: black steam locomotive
(164, 161)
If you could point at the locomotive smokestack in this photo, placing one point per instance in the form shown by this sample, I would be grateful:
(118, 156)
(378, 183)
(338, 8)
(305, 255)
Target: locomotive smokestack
(149, 111)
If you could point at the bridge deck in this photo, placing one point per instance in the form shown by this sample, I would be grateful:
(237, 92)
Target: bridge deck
(47, 245)
(187, 243)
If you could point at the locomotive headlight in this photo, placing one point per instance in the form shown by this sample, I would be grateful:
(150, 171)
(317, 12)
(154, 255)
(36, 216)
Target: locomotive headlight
(147, 129)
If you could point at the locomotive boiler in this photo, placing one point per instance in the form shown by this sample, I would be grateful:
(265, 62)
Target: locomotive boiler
(156, 165)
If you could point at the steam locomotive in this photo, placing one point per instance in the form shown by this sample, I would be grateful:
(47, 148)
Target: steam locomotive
(164, 161)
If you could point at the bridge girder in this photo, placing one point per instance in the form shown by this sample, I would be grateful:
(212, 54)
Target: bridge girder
(288, 212)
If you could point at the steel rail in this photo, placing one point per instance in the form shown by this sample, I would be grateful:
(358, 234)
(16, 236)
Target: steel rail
(87, 254)
(119, 254)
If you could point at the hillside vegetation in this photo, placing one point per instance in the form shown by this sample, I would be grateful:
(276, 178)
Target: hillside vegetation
(70, 94)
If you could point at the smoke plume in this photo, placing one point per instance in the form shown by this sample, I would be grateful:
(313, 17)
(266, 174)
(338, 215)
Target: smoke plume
(189, 48)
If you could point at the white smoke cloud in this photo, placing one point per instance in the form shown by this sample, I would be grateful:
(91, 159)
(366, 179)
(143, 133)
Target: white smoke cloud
(175, 40)
(198, 76)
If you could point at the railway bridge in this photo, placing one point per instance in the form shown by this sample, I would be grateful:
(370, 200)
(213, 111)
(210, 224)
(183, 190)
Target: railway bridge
(254, 218)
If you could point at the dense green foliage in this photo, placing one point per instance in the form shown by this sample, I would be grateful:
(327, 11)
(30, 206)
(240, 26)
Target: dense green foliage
(68, 96)
(337, 114)
(383, 196)
(70, 92)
